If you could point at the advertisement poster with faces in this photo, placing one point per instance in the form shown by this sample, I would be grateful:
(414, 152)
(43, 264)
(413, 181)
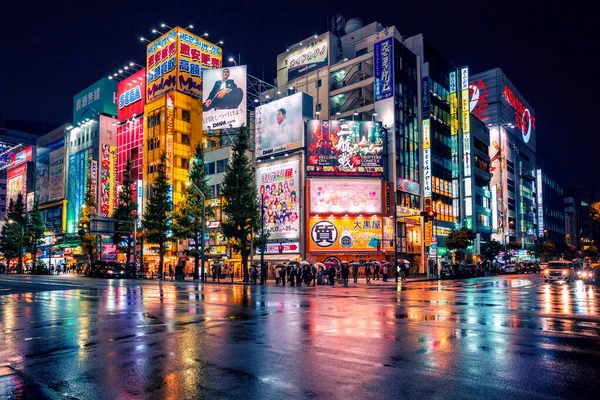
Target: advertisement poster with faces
(224, 98)
(356, 196)
(278, 184)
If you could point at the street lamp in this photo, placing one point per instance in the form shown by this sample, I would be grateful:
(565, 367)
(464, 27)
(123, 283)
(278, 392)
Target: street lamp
(196, 239)
(231, 59)
(20, 266)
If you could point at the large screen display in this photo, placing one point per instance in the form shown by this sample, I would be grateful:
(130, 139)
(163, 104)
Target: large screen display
(348, 148)
(352, 196)
(279, 191)
(224, 100)
(280, 124)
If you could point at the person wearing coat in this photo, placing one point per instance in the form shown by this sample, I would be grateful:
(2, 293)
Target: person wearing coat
(345, 273)
(298, 276)
(332, 276)
(368, 273)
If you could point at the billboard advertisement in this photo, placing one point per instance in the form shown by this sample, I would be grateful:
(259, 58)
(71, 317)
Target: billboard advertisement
(53, 217)
(77, 185)
(161, 57)
(384, 69)
(349, 148)
(313, 56)
(132, 92)
(106, 183)
(98, 98)
(280, 124)
(49, 166)
(224, 100)
(352, 196)
(279, 185)
(194, 56)
(16, 183)
(349, 233)
(22, 156)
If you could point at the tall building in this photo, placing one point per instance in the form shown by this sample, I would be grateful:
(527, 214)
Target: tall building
(579, 226)
(512, 124)
(11, 142)
(173, 109)
(130, 132)
(550, 204)
(91, 151)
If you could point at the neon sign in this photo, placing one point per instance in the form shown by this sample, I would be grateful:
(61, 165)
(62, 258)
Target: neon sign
(479, 100)
(129, 97)
(523, 118)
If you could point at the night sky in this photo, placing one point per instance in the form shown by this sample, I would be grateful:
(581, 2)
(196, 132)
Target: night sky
(52, 50)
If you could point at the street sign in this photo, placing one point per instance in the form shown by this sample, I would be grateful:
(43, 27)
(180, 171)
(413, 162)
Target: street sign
(433, 246)
(434, 239)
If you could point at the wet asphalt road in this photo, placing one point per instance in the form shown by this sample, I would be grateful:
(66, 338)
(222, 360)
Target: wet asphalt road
(496, 337)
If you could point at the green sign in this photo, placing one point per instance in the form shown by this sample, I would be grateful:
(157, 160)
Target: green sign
(99, 98)
(442, 251)
(469, 222)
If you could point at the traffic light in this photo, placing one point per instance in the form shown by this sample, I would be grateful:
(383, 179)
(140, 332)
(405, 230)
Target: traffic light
(431, 214)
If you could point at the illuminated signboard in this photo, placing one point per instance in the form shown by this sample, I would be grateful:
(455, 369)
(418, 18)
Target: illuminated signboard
(523, 118)
(280, 124)
(349, 148)
(50, 167)
(99, 98)
(384, 69)
(131, 92)
(479, 105)
(466, 126)
(176, 61)
(313, 56)
(335, 196)
(106, 183)
(16, 183)
(348, 234)
(279, 186)
(21, 156)
(224, 100)
(195, 55)
(405, 185)
(169, 150)
(540, 203)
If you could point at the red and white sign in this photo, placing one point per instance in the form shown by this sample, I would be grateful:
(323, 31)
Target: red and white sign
(131, 96)
(523, 118)
(283, 248)
(479, 100)
(22, 156)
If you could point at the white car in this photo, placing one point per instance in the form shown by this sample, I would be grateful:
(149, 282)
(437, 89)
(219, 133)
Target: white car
(559, 271)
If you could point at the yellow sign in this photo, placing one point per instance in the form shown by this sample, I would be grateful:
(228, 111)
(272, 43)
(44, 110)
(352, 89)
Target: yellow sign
(194, 55)
(466, 123)
(350, 234)
(428, 233)
(426, 134)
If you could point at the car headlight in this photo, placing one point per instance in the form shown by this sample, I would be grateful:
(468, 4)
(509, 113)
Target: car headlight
(546, 271)
(110, 272)
(564, 272)
(579, 273)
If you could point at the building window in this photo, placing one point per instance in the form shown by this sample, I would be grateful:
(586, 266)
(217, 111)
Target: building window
(213, 190)
(185, 139)
(153, 120)
(209, 168)
(152, 168)
(185, 163)
(318, 107)
(153, 143)
(319, 83)
(185, 115)
(221, 165)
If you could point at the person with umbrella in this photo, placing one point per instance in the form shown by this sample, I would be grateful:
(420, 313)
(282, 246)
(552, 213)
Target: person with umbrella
(355, 266)
(368, 272)
(345, 272)
(298, 275)
(282, 270)
(385, 266)
(331, 272)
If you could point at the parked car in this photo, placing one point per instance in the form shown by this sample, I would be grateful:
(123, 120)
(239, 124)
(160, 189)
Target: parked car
(510, 268)
(559, 271)
(448, 272)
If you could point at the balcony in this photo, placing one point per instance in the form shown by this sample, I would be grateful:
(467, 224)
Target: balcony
(347, 102)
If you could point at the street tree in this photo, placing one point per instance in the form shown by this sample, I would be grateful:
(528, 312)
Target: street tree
(158, 215)
(125, 213)
(459, 240)
(17, 216)
(491, 249)
(10, 236)
(36, 226)
(88, 211)
(549, 251)
(188, 218)
(595, 213)
(240, 209)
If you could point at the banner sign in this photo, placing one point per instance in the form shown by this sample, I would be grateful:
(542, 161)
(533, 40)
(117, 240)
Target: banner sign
(349, 148)
(384, 69)
(279, 191)
(335, 196)
(311, 57)
(224, 101)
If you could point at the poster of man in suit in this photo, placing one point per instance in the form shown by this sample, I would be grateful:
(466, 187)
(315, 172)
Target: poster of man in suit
(224, 98)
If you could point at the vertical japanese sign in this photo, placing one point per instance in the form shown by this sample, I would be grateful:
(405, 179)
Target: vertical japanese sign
(194, 55)
(426, 129)
(169, 150)
(94, 177)
(384, 69)
(139, 195)
(453, 98)
(161, 57)
(105, 181)
(466, 128)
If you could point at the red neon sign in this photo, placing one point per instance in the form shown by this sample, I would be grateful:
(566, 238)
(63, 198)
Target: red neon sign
(523, 118)
(478, 94)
